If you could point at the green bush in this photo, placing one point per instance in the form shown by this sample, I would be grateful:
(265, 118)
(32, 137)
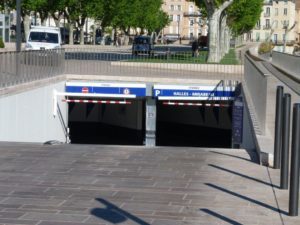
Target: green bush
(265, 47)
(1, 43)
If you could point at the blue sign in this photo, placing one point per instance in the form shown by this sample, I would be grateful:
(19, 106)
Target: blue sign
(201, 92)
(139, 90)
(237, 121)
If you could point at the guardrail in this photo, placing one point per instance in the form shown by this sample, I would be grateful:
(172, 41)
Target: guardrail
(163, 61)
(26, 66)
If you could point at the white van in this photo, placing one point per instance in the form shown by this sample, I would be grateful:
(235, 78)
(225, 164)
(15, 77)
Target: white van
(43, 38)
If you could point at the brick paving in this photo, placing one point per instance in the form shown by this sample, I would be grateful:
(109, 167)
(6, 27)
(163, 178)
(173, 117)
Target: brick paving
(90, 184)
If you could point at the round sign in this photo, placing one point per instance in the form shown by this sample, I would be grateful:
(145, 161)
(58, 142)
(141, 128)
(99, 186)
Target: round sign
(126, 91)
(85, 90)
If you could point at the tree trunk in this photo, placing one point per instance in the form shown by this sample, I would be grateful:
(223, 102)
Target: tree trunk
(57, 22)
(71, 34)
(26, 26)
(214, 29)
(94, 34)
(214, 53)
(81, 35)
(222, 37)
(227, 39)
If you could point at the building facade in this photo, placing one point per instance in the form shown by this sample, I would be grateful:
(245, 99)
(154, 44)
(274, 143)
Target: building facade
(5, 27)
(276, 20)
(297, 28)
(185, 19)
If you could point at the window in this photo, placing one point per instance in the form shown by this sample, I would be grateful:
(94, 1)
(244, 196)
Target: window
(179, 7)
(191, 9)
(257, 37)
(43, 37)
(172, 7)
(258, 23)
(192, 22)
(171, 17)
(275, 38)
(267, 23)
(267, 34)
(285, 11)
(268, 11)
(276, 11)
(178, 18)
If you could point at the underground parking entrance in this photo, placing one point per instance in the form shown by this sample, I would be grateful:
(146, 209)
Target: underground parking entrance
(106, 121)
(194, 124)
(153, 115)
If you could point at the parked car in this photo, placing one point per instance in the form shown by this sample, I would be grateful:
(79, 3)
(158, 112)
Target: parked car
(143, 44)
(43, 38)
(170, 38)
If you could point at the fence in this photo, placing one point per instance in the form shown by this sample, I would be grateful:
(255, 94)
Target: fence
(164, 61)
(26, 66)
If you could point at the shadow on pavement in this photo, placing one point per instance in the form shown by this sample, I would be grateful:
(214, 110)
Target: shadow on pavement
(253, 156)
(243, 175)
(247, 198)
(226, 219)
(114, 214)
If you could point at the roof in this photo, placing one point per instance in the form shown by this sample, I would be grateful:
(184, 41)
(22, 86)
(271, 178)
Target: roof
(44, 28)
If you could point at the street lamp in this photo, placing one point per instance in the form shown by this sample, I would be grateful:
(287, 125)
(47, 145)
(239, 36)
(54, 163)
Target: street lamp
(178, 22)
(18, 27)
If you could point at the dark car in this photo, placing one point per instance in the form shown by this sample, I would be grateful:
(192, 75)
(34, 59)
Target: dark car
(143, 44)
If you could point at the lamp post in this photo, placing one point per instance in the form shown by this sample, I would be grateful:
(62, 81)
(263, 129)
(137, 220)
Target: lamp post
(178, 22)
(18, 27)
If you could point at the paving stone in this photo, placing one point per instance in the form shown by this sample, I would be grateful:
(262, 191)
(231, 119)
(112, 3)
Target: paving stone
(54, 217)
(89, 184)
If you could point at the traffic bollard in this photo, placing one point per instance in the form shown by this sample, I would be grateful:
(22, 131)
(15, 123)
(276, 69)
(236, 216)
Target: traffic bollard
(278, 127)
(284, 173)
(295, 163)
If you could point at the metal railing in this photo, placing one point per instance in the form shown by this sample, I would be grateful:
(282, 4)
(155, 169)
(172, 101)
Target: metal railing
(168, 61)
(163, 61)
(26, 66)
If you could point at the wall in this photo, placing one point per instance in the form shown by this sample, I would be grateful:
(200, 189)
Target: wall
(28, 116)
(256, 78)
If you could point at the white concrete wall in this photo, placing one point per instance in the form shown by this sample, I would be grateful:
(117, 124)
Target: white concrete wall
(28, 116)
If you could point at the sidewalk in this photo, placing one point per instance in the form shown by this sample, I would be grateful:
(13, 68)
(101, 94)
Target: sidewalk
(89, 184)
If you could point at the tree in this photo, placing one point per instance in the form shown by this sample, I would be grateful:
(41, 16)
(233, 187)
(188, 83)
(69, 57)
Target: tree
(237, 16)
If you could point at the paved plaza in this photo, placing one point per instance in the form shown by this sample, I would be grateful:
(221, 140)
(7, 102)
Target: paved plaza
(90, 184)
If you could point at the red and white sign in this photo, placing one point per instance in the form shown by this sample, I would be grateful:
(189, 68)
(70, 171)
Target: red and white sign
(85, 90)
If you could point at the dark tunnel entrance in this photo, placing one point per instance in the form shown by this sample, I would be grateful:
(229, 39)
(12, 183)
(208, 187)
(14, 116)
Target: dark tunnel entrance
(115, 124)
(208, 125)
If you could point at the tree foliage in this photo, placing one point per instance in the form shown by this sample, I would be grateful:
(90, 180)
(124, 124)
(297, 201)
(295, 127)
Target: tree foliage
(243, 15)
(121, 14)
